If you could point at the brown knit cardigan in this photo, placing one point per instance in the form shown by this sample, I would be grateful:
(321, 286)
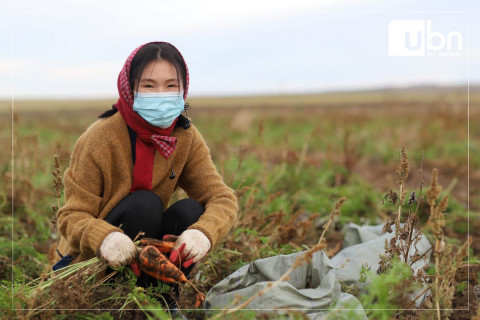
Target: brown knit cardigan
(100, 176)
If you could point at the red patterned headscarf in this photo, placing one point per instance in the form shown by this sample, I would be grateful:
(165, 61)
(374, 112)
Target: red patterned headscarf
(149, 138)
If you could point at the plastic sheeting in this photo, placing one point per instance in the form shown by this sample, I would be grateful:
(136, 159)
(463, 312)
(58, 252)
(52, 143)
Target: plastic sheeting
(364, 245)
(311, 288)
(314, 288)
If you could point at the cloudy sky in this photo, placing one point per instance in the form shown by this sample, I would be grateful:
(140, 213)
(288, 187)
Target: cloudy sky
(75, 49)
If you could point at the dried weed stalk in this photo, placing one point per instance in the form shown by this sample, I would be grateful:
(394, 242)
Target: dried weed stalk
(407, 236)
(241, 157)
(351, 152)
(402, 175)
(335, 212)
(292, 230)
(446, 263)
(58, 186)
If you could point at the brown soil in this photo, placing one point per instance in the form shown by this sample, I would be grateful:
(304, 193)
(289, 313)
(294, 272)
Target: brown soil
(465, 302)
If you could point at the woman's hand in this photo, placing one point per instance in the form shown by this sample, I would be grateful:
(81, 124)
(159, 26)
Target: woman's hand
(191, 246)
(118, 249)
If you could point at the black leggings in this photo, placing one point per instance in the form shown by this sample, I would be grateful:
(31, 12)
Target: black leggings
(143, 211)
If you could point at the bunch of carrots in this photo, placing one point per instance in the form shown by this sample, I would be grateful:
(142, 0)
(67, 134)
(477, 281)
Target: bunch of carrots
(153, 261)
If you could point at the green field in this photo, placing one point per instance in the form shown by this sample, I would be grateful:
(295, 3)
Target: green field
(285, 156)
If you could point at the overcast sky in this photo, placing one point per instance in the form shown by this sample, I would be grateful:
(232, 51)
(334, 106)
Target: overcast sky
(75, 49)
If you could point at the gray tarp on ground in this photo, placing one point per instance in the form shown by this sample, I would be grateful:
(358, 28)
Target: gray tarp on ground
(311, 288)
(364, 245)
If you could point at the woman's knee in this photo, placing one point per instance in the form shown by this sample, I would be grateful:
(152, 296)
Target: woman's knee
(187, 210)
(140, 205)
(139, 211)
(144, 202)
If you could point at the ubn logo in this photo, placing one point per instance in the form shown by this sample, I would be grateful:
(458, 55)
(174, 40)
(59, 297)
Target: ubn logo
(415, 38)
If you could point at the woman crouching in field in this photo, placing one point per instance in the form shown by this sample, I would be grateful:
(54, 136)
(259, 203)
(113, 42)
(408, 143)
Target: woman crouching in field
(125, 167)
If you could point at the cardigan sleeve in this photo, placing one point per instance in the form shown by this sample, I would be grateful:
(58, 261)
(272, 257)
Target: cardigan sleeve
(77, 219)
(202, 182)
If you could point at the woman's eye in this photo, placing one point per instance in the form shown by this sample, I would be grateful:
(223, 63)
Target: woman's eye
(172, 85)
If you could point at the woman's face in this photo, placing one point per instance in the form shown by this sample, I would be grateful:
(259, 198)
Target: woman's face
(159, 76)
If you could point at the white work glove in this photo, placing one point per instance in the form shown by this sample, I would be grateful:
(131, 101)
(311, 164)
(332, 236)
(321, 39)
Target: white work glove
(191, 246)
(118, 249)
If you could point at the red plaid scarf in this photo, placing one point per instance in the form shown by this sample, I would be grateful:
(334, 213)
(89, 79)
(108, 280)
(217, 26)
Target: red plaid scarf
(149, 138)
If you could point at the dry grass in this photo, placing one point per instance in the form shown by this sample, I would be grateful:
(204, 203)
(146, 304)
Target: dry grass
(269, 149)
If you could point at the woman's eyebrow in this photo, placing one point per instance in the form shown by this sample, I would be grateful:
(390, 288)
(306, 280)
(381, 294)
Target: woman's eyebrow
(147, 80)
(152, 80)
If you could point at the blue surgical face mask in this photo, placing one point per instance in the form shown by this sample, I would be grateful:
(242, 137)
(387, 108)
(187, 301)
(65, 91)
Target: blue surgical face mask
(159, 109)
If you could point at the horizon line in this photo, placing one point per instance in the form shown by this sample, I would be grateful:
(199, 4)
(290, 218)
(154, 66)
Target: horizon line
(259, 94)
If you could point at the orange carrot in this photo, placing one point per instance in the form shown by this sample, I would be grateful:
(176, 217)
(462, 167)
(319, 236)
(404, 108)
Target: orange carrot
(163, 246)
(200, 299)
(170, 237)
(135, 268)
(155, 264)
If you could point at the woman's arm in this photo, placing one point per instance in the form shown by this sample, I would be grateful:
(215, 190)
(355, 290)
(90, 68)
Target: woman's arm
(77, 219)
(202, 182)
